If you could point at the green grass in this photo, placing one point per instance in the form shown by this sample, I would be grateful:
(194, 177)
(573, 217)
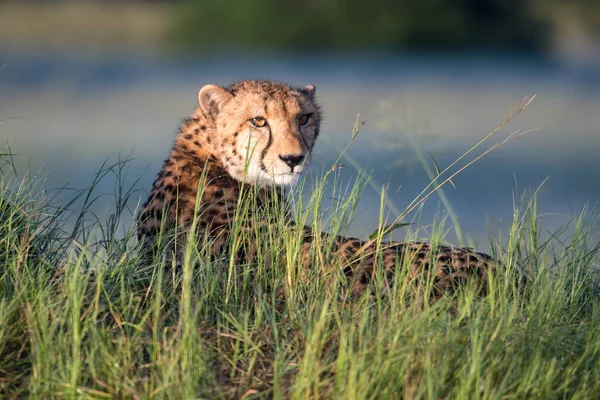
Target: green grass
(82, 315)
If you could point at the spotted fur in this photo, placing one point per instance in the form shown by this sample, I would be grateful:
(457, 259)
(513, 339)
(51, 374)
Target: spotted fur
(260, 134)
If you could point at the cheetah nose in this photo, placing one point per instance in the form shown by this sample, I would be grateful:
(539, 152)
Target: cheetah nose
(291, 160)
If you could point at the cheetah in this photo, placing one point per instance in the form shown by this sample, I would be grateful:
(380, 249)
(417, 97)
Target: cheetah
(260, 134)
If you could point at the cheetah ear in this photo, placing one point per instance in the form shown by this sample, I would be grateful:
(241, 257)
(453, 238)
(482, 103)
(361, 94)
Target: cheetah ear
(212, 98)
(308, 91)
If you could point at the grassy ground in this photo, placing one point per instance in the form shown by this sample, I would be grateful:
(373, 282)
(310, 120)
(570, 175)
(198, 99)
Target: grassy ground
(82, 317)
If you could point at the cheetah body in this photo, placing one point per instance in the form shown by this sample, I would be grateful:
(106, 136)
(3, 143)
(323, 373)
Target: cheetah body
(260, 134)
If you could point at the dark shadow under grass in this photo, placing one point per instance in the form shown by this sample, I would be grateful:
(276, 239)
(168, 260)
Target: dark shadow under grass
(81, 316)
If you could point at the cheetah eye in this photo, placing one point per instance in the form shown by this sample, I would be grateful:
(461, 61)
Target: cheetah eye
(258, 122)
(303, 120)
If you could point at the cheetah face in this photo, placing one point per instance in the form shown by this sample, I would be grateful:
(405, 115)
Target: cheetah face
(265, 131)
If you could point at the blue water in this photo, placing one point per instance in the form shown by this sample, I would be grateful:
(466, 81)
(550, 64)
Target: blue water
(67, 114)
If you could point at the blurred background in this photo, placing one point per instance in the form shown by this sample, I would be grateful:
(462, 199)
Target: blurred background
(87, 80)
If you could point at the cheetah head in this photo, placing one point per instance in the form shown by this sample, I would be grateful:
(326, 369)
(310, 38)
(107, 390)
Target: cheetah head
(263, 131)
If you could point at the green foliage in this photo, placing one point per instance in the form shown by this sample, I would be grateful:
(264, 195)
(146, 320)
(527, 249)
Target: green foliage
(89, 319)
(356, 24)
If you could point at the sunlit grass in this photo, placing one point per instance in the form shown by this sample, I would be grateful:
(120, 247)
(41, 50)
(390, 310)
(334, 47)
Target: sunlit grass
(85, 314)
